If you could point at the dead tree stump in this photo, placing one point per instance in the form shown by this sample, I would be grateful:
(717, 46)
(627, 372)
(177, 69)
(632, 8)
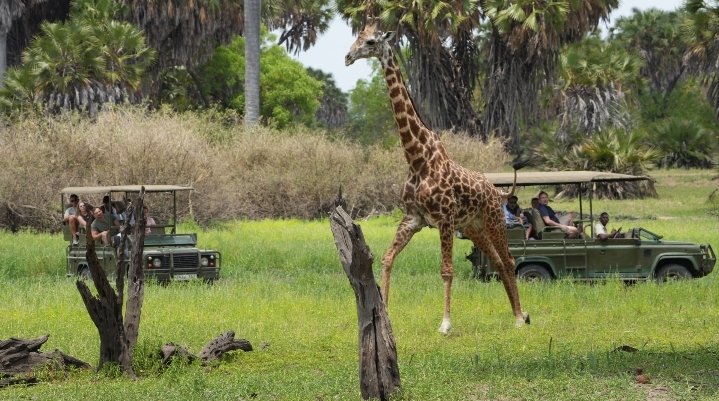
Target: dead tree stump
(379, 371)
(117, 337)
(19, 357)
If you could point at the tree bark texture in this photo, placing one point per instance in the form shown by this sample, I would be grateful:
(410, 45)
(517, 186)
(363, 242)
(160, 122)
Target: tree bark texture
(379, 371)
(213, 350)
(3, 56)
(117, 338)
(224, 343)
(136, 275)
(252, 62)
(19, 357)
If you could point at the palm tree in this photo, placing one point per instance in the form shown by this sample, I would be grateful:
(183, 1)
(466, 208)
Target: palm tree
(84, 62)
(526, 40)
(440, 59)
(655, 36)
(20, 20)
(20, 90)
(700, 31)
(185, 33)
(63, 67)
(521, 40)
(595, 78)
(301, 21)
(9, 10)
(252, 62)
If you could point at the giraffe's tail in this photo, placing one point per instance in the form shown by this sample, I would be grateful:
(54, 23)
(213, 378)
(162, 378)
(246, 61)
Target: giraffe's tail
(518, 163)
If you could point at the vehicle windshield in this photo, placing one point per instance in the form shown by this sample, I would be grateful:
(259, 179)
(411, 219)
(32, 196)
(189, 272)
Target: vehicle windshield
(646, 234)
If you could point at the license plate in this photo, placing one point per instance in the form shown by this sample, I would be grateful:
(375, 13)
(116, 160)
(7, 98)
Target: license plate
(185, 276)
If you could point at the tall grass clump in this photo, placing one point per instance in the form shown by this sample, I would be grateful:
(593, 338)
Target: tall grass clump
(236, 173)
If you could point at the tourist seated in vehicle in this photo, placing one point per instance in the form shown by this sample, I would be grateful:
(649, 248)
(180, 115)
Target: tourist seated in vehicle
(84, 214)
(513, 216)
(550, 218)
(70, 218)
(107, 204)
(149, 221)
(100, 227)
(600, 228)
(529, 214)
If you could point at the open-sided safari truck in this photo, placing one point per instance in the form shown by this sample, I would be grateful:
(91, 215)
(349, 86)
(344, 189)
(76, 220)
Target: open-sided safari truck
(639, 255)
(167, 255)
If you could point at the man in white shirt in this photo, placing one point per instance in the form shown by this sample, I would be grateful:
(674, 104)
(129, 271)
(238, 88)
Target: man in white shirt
(600, 228)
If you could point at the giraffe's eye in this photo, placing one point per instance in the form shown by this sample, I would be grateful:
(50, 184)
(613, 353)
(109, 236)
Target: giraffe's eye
(371, 42)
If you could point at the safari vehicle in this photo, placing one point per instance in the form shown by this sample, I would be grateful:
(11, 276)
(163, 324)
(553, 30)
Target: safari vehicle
(167, 255)
(640, 255)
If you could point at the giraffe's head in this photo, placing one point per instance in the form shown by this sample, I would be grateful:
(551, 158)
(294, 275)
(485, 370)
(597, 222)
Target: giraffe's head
(371, 42)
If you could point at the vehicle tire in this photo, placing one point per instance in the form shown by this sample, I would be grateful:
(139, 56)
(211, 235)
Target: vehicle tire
(533, 273)
(84, 273)
(673, 272)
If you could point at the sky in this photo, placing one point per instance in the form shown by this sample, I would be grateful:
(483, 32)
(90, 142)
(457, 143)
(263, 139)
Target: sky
(328, 54)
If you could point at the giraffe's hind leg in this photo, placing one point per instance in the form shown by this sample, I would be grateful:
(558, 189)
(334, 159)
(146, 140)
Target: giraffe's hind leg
(504, 264)
(446, 233)
(510, 283)
(406, 229)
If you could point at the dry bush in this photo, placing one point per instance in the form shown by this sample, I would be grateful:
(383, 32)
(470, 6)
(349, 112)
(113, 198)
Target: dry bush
(261, 173)
(474, 154)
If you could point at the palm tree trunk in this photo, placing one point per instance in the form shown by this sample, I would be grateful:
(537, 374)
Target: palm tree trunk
(3, 56)
(252, 62)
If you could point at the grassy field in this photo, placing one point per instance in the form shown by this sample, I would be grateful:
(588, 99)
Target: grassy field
(284, 290)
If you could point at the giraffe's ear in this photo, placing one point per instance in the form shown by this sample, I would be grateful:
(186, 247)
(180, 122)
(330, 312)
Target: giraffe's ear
(388, 36)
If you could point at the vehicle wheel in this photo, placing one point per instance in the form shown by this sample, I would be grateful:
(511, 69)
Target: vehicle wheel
(84, 273)
(533, 273)
(673, 272)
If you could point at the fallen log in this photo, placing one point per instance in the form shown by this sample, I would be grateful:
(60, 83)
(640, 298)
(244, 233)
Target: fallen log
(170, 350)
(223, 343)
(20, 357)
(213, 350)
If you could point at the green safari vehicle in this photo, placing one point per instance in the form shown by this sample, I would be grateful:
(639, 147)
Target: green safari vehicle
(167, 255)
(640, 255)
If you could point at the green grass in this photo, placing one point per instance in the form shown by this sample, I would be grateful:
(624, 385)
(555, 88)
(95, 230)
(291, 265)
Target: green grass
(283, 286)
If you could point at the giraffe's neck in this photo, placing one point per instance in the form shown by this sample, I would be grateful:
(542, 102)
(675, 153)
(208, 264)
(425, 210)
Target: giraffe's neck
(421, 145)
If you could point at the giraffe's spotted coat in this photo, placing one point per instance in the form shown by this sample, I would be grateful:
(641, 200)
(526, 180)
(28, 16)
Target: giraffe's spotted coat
(438, 192)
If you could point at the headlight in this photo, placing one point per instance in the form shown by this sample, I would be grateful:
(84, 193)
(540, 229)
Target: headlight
(157, 262)
(208, 260)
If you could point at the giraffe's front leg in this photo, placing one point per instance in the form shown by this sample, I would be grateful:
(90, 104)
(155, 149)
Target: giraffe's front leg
(446, 232)
(407, 228)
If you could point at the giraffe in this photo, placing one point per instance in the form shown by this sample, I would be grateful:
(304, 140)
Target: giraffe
(438, 192)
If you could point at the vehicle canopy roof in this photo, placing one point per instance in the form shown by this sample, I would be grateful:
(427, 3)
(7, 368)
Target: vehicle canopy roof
(123, 188)
(527, 178)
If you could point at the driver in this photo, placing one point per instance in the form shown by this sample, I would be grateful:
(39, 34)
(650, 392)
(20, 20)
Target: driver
(600, 228)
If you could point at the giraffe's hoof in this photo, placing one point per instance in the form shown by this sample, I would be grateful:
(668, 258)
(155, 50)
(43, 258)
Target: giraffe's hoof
(522, 320)
(445, 327)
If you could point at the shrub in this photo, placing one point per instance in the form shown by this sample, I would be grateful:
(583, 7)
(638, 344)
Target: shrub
(262, 173)
(684, 143)
(613, 151)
